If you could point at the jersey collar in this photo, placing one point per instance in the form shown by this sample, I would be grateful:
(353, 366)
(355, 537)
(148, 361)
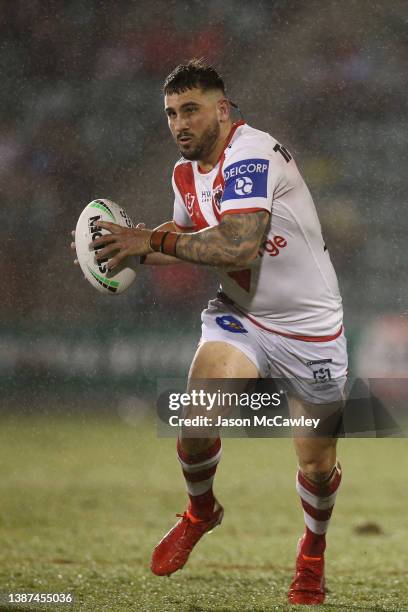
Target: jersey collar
(234, 128)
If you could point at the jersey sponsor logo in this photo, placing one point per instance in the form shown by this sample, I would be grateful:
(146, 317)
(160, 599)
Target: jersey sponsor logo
(272, 246)
(205, 196)
(246, 179)
(247, 166)
(231, 324)
(318, 362)
(243, 186)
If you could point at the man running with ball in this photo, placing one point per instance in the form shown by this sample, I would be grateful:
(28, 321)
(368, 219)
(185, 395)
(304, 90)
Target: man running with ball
(242, 207)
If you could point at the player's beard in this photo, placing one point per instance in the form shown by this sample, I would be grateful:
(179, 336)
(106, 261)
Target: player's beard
(204, 146)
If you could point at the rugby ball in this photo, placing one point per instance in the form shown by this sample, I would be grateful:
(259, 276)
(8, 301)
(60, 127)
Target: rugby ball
(96, 272)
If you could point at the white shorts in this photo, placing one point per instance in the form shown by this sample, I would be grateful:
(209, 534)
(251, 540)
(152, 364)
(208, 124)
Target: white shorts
(316, 372)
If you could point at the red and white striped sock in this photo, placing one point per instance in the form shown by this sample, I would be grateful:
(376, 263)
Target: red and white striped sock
(199, 471)
(318, 503)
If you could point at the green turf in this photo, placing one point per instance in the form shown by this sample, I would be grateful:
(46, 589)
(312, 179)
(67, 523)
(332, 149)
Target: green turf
(83, 502)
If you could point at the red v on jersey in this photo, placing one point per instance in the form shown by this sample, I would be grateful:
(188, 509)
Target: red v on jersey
(242, 277)
(184, 179)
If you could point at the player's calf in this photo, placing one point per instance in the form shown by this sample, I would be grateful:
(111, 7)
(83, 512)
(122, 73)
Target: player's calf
(199, 471)
(317, 500)
(203, 513)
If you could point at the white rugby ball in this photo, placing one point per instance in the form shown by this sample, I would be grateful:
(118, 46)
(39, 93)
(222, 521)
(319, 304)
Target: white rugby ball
(107, 281)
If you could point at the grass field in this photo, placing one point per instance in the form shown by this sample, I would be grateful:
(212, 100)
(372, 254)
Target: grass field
(84, 500)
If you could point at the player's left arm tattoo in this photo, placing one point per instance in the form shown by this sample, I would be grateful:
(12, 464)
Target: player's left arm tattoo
(234, 242)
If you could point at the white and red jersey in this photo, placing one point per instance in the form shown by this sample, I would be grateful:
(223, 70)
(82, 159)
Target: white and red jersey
(291, 287)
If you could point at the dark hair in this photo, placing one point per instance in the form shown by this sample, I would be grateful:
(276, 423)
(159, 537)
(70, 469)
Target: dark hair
(195, 74)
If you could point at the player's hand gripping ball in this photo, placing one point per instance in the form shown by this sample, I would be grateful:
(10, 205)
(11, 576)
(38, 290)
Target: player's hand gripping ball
(96, 272)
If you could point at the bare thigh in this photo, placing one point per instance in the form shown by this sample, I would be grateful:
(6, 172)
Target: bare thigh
(217, 360)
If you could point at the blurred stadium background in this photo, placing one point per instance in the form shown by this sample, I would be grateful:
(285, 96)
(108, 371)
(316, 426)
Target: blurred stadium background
(81, 117)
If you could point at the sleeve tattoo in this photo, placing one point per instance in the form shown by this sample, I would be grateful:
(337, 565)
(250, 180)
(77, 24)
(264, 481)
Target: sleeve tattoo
(234, 242)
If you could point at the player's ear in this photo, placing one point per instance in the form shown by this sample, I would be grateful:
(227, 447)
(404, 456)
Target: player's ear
(223, 110)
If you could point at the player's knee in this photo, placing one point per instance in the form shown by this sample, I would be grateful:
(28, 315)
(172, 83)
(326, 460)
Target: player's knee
(317, 470)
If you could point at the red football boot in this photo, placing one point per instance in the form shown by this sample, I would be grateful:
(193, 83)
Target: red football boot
(307, 586)
(173, 550)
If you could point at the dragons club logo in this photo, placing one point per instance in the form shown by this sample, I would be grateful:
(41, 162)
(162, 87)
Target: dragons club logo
(217, 196)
